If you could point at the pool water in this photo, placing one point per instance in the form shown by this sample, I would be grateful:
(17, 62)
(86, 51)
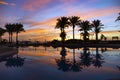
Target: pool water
(47, 63)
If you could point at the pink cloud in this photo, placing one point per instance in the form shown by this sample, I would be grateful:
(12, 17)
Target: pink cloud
(35, 4)
(48, 22)
(100, 12)
(93, 13)
(67, 1)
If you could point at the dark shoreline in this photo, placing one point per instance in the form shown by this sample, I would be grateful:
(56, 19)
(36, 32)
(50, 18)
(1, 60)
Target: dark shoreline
(70, 44)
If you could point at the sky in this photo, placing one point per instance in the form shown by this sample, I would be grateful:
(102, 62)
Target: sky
(39, 16)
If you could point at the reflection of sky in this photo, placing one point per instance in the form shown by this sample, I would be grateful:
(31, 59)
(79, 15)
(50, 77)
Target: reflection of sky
(43, 14)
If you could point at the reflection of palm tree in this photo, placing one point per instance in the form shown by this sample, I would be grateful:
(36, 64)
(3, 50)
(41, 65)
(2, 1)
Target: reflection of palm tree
(98, 59)
(74, 20)
(96, 24)
(85, 27)
(2, 31)
(62, 23)
(103, 50)
(63, 63)
(15, 61)
(74, 65)
(18, 29)
(86, 57)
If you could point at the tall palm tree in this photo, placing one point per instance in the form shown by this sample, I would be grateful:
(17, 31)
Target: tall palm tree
(97, 26)
(62, 23)
(10, 29)
(74, 20)
(2, 31)
(84, 28)
(18, 28)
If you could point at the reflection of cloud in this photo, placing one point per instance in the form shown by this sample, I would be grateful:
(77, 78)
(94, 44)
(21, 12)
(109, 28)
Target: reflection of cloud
(6, 3)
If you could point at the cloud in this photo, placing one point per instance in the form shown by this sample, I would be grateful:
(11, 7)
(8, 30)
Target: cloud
(91, 13)
(35, 4)
(6, 3)
(100, 12)
(48, 22)
(67, 1)
(39, 34)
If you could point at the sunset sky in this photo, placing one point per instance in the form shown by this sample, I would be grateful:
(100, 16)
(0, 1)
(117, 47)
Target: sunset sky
(39, 16)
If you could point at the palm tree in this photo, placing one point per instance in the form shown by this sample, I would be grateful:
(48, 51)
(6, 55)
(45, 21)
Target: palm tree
(74, 20)
(18, 28)
(96, 24)
(62, 23)
(10, 29)
(63, 36)
(84, 28)
(2, 31)
(118, 18)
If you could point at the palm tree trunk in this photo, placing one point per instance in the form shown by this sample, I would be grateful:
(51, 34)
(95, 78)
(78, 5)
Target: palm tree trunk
(73, 32)
(96, 36)
(11, 37)
(84, 36)
(0, 38)
(16, 38)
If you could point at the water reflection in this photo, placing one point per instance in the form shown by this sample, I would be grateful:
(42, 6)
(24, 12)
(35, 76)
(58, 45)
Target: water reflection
(12, 59)
(86, 59)
(98, 59)
(63, 63)
(103, 50)
(67, 65)
(75, 65)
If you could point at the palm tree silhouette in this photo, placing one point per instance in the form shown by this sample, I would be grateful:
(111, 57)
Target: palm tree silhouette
(74, 20)
(62, 23)
(96, 24)
(2, 31)
(18, 28)
(84, 28)
(63, 36)
(10, 29)
(118, 18)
